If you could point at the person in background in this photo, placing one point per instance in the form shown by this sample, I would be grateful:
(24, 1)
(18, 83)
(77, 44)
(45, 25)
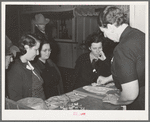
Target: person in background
(22, 78)
(8, 58)
(44, 30)
(92, 64)
(10, 46)
(128, 66)
(40, 22)
(53, 85)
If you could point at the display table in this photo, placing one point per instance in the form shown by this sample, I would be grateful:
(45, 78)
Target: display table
(80, 99)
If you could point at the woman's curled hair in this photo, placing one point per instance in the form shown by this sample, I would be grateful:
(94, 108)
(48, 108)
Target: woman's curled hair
(95, 37)
(27, 39)
(111, 15)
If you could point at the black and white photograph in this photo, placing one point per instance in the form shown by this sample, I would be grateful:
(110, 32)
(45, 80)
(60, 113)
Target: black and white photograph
(74, 60)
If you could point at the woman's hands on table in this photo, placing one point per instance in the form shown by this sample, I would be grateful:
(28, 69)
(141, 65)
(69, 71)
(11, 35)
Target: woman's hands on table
(104, 80)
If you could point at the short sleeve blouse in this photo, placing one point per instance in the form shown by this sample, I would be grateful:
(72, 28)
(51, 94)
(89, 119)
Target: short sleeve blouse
(129, 59)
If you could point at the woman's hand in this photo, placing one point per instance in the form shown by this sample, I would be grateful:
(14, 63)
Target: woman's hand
(104, 80)
(102, 56)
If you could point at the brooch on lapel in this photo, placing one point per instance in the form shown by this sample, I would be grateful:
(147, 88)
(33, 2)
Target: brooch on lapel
(94, 70)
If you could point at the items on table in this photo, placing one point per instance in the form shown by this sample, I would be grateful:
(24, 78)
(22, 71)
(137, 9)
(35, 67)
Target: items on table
(65, 101)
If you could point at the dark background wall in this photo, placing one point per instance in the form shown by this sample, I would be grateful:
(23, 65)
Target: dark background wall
(12, 22)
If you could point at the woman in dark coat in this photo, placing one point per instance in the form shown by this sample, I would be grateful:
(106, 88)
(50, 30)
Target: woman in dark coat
(48, 70)
(92, 64)
(23, 79)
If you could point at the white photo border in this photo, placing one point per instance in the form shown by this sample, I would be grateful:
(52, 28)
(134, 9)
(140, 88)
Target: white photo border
(68, 114)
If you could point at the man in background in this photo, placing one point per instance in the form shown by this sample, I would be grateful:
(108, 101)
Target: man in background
(44, 31)
(40, 22)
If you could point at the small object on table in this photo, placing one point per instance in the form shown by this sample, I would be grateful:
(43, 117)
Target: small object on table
(73, 106)
(62, 107)
(94, 84)
(65, 108)
(111, 84)
(111, 98)
(82, 108)
(75, 93)
(75, 103)
(108, 85)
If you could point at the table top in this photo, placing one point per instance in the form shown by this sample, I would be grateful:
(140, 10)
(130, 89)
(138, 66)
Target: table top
(91, 103)
(84, 99)
(94, 101)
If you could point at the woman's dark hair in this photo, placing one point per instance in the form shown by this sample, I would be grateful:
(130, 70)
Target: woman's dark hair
(95, 37)
(41, 45)
(111, 15)
(27, 39)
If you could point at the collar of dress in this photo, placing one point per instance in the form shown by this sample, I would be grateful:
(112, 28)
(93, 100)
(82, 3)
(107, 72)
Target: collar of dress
(29, 66)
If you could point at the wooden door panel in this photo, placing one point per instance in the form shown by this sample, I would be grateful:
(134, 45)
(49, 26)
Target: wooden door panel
(65, 56)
